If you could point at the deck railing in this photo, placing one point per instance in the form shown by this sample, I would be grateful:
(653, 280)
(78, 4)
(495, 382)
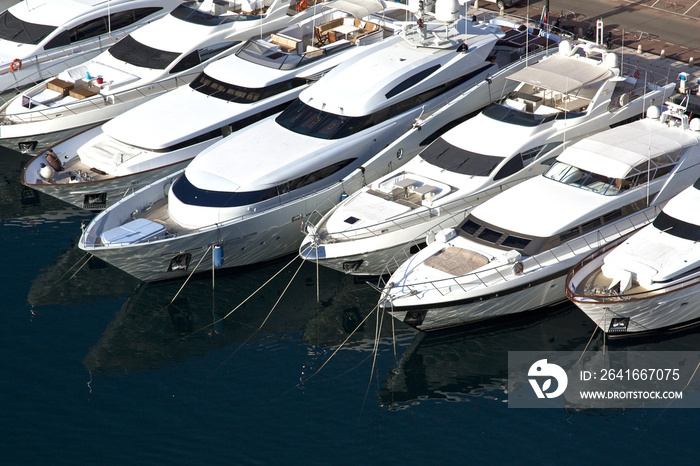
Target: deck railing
(571, 250)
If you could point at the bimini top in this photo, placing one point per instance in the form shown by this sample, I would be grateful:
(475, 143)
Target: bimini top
(357, 8)
(614, 153)
(568, 75)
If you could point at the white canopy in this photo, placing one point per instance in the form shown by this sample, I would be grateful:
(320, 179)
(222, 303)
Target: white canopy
(568, 75)
(357, 8)
(614, 154)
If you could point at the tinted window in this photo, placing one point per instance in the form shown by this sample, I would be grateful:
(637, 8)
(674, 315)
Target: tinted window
(188, 193)
(132, 51)
(123, 19)
(90, 29)
(470, 227)
(244, 95)
(189, 61)
(309, 121)
(411, 81)
(490, 235)
(16, 30)
(190, 15)
(515, 242)
(61, 40)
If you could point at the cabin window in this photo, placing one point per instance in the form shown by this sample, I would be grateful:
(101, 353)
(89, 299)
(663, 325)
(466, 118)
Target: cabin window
(89, 29)
(14, 29)
(189, 194)
(309, 121)
(239, 94)
(470, 227)
(490, 236)
(61, 40)
(515, 242)
(135, 53)
(123, 19)
(411, 81)
(202, 18)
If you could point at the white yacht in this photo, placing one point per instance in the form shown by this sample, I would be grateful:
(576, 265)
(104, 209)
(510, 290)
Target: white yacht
(97, 168)
(566, 96)
(154, 59)
(40, 38)
(249, 192)
(651, 281)
(513, 252)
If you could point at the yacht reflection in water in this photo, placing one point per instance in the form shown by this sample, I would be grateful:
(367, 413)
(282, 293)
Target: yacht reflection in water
(157, 326)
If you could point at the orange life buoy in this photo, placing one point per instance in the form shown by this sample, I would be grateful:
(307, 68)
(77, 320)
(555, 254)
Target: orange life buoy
(16, 65)
(302, 5)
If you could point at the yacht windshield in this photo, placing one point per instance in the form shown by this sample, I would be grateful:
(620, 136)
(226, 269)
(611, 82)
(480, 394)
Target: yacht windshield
(448, 157)
(131, 51)
(676, 227)
(309, 121)
(16, 30)
(567, 174)
(239, 94)
(500, 112)
(188, 12)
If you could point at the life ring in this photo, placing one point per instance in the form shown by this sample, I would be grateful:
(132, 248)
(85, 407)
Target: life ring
(16, 65)
(302, 5)
(518, 268)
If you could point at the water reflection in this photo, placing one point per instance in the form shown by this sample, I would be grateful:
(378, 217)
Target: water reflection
(76, 277)
(157, 326)
(462, 364)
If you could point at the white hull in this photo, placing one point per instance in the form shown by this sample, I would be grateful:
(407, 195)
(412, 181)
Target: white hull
(246, 240)
(376, 245)
(531, 298)
(101, 192)
(501, 291)
(668, 307)
(60, 121)
(668, 310)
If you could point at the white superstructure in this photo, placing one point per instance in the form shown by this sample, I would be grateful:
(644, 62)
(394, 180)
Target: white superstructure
(650, 282)
(512, 253)
(41, 38)
(248, 193)
(159, 57)
(161, 136)
(556, 101)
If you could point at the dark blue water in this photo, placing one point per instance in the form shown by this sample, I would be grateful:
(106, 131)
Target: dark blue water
(98, 368)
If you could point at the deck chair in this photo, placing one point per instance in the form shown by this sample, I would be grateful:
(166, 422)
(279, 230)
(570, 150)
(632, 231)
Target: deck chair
(321, 39)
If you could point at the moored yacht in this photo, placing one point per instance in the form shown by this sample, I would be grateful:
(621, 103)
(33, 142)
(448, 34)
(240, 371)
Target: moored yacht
(513, 252)
(43, 38)
(650, 282)
(94, 169)
(249, 192)
(154, 59)
(560, 99)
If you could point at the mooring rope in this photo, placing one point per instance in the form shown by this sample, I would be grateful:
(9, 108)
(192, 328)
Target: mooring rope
(190, 275)
(341, 345)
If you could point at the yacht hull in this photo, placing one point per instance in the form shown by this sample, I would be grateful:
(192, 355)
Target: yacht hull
(502, 290)
(673, 305)
(55, 125)
(246, 240)
(35, 143)
(666, 311)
